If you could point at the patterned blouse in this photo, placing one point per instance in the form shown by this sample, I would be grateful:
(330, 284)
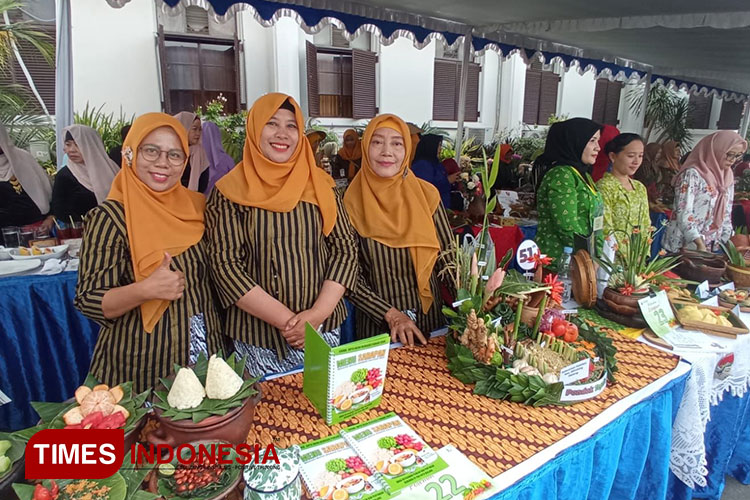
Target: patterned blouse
(693, 215)
(623, 209)
(567, 205)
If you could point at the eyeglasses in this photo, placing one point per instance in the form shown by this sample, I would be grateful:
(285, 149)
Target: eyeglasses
(175, 157)
(734, 157)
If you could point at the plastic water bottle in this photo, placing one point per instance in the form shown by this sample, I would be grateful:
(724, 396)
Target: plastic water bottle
(563, 273)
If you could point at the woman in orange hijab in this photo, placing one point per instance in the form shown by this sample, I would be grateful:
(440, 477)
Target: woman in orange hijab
(283, 251)
(143, 274)
(402, 229)
(349, 158)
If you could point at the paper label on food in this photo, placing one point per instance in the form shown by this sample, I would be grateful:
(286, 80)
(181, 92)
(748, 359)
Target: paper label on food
(583, 392)
(575, 372)
(728, 286)
(4, 399)
(459, 302)
(496, 321)
(658, 313)
(736, 310)
(703, 290)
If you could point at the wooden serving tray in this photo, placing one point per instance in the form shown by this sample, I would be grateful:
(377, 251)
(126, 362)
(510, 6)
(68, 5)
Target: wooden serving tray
(739, 327)
(744, 309)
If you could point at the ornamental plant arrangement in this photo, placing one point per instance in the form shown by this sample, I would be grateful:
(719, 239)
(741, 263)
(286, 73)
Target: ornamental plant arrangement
(505, 347)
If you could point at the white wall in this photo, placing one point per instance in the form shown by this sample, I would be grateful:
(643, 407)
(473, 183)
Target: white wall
(286, 50)
(114, 57)
(512, 88)
(488, 93)
(258, 59)
(406, 80)
(576, 94)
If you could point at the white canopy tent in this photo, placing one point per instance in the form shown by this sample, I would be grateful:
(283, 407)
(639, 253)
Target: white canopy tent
(689, 44)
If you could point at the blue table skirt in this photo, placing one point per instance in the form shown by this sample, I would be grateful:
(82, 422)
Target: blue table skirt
(627, 459)
(727, 450)
(45, 344)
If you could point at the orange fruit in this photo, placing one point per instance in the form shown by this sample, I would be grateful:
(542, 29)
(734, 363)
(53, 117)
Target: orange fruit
(346, 404)
(395, 469)
(340, 494)
(337, 400)
(323, 491)
(380, 466)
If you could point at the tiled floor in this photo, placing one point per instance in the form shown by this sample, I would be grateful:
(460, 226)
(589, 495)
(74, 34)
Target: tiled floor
(734, 490)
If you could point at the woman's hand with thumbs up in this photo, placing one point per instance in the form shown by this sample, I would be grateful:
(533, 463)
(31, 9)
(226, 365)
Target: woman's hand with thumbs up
(164, 283)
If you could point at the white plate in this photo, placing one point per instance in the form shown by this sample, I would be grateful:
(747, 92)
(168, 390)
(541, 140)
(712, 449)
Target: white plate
(57, 253)
(4, 253)
(11, 267)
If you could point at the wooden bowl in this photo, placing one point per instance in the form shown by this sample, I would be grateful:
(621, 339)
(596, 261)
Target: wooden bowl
(233, 427)
(700, 266)
(583, 276)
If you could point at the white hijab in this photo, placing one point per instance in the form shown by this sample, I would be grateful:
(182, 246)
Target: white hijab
(98, 170)
(32, 177)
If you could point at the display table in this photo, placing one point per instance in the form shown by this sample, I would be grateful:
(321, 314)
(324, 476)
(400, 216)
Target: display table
(713, 417)
(618, 440)
(45, 344)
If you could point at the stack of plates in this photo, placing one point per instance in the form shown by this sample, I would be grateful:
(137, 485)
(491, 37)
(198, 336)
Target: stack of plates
(13, 267)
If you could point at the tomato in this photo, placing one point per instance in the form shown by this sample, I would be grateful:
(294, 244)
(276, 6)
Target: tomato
(571, 334)
(559, 328)
(42, 493)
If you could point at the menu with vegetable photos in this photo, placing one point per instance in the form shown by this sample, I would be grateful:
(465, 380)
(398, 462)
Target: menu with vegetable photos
(394, 451)
(332, 470)
(344, 381)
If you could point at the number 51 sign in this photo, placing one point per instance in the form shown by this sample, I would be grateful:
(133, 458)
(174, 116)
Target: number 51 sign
(525, 255)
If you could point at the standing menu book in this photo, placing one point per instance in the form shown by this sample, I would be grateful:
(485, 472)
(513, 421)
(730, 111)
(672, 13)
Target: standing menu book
(344, 381)
(394, 451)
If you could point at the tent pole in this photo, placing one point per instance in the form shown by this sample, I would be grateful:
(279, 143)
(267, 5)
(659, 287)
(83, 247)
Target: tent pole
(745, 118)
(462, 94)
(644, 105)
(64, 113)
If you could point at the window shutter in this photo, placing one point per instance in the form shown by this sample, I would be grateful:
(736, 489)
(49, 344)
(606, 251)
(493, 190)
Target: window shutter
(363, 84)
(548, 96)
(730, 116)
(700, 111)
(338, 39)
(313, 99)
(444, 91)
(471, 113)
(612, 103)
(600, 98)
(531, 96)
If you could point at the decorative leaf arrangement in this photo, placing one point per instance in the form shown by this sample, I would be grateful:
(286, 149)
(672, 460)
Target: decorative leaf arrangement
(208, 407)
(633, 270)
(51, 414)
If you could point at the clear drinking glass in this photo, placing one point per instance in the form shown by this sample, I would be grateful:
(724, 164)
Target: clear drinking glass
(11, 237)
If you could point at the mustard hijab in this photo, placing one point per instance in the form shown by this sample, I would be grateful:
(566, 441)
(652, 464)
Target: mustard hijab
(278, 187)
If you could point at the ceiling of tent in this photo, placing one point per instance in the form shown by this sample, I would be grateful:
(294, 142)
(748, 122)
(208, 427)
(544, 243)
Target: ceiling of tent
(692, 40)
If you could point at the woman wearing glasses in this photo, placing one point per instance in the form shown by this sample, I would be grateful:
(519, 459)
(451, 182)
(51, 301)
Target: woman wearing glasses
(704, 191)
(143, 274)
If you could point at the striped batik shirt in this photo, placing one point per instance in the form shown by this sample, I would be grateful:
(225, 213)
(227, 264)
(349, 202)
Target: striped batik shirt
(285, 253)
(124, 351)
(387, 279)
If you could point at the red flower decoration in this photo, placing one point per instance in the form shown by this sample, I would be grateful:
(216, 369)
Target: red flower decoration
(627, 290)
(557, 287)
(540, 260)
